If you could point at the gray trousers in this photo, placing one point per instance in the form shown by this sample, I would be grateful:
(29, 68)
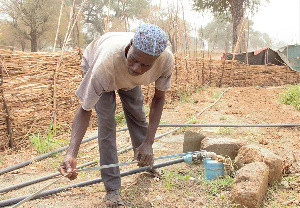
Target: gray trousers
(132, 102)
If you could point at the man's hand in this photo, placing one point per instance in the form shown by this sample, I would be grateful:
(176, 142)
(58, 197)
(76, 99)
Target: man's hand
(68, 165)
(145, 151)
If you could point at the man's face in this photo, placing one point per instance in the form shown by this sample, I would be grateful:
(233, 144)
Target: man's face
(139, 62)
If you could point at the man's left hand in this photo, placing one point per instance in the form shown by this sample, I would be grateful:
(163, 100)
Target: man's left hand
(146, 152)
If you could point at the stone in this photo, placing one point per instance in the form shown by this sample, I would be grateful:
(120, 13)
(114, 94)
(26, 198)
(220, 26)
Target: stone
(254, 153)
(192, 141)
(224, 146)
(250, 185)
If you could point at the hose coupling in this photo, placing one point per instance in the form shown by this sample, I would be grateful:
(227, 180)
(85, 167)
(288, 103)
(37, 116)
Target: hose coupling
(188, 158)
(198, 156)
(203, 154)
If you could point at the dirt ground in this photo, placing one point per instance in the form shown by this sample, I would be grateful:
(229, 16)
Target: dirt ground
(182, 185)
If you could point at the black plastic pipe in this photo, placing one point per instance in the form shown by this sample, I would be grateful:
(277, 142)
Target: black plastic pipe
(41, 157)
(44, 178)
(229, 125)
(44, 156)
(37, 180)
(12, 201)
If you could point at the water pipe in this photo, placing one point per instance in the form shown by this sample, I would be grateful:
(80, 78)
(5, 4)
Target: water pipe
(44, 178)
(187, 158)
(44, 156)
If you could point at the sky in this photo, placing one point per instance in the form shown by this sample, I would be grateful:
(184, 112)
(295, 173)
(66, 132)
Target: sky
(278, 18)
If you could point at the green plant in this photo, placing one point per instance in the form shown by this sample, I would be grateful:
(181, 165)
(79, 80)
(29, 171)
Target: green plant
(222, 118)
(224, 131)
(147, 109)
(215, 94)
(167, 178)
(45, 142)
(291, 96)
(120, 118)
(184, 97)
(194, 121)
(172, 176)
(217, 186)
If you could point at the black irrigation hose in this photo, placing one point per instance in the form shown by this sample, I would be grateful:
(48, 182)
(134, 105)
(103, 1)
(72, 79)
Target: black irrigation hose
(37, 180)
(44, 178)
(44, 156)
(87, 183)
(20, 165)
(229, 125)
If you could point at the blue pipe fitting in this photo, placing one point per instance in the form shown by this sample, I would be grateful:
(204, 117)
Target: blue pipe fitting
(188, 158)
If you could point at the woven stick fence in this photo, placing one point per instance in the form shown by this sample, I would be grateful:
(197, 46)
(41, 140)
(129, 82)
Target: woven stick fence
(27, 86)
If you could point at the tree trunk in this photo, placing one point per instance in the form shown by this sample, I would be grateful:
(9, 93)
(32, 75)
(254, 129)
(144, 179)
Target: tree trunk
(23, 44)
(237, 12)
(34, 41)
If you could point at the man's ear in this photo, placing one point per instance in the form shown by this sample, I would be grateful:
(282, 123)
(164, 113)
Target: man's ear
(128, 47)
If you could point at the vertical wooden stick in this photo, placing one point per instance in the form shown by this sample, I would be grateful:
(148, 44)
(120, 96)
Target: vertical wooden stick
(9, 131)
(107, 19)
(58, 25)
(223, 69)
(69, 31)
(124, 14)
(209, 70)
(202, 56)
(247, 44)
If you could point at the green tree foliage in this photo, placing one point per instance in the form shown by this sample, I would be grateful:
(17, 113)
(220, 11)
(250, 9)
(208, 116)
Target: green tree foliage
(217, 34)
(231, 8)
(114, 15)
(29, 20)
(259, 40)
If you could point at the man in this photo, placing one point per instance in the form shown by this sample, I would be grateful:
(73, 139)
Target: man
(121, 61)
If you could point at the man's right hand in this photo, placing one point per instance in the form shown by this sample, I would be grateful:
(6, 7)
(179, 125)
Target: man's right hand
(68, 165)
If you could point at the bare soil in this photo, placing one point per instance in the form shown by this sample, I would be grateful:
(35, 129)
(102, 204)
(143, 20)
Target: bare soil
(182, 185)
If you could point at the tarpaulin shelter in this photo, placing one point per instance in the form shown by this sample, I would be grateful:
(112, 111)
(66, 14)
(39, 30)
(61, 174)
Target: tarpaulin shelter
(291, 56)
(259, 57)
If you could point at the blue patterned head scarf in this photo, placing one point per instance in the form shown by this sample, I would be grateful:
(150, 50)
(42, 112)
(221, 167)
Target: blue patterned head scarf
(150, 39)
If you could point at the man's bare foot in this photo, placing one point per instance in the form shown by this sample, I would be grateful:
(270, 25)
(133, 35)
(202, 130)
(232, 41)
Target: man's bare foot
(113, 199)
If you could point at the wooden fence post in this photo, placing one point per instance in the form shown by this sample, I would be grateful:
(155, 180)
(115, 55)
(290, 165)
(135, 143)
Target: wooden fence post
(9, 131)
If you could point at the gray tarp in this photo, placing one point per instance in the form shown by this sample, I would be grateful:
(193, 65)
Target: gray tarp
(291, 56)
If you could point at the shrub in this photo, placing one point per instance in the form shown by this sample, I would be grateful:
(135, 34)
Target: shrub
(291, 96)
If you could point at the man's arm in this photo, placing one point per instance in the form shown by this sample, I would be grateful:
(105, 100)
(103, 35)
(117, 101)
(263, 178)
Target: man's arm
(156, 108)
(79, 127)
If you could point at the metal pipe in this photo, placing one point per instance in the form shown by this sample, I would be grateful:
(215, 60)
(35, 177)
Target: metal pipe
(87, 183)
(44, 156)
(229, 125)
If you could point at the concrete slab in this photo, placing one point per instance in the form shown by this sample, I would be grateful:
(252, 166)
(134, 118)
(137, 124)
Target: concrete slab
(192, 141)
(224, 146)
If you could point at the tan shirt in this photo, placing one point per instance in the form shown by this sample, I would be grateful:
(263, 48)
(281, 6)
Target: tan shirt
(105, 65)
